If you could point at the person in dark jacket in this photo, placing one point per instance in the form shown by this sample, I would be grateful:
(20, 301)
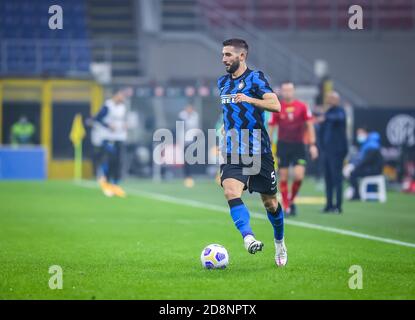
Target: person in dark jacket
(334, 146)
(369, 161)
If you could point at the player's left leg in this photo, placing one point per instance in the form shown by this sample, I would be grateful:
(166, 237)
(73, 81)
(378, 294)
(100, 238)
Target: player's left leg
(283, 175)
(107, 150)
(99, 163)
(299, 173)
(233, 189)
(276, 217)
(116, 170)
(284, 155)
(299, 162)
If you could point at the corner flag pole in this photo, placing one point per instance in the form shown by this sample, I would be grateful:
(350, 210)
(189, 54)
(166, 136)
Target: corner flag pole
(78, 162)
(76, 136)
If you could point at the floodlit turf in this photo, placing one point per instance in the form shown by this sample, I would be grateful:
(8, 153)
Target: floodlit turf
(141, 248)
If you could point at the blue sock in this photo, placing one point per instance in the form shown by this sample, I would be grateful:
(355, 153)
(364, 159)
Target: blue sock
(240, 216)
(277, 221)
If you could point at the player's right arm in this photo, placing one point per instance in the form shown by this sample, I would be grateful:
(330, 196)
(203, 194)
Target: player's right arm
(312, 134)
(272, 126)
(309, 123)
(268, 102)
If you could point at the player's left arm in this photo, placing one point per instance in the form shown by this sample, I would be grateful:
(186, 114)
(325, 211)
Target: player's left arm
(268, 102)
(308, 117)
(312, 135)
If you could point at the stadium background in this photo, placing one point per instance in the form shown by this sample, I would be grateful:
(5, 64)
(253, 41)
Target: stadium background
(52, 74)
(169, 51)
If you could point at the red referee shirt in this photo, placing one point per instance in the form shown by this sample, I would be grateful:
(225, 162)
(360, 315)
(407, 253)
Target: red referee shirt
(291, 121)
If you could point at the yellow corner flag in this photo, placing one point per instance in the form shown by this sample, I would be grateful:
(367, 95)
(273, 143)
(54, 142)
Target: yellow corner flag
(77, 135)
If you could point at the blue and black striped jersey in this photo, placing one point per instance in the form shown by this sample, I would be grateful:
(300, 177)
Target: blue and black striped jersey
(240, 116)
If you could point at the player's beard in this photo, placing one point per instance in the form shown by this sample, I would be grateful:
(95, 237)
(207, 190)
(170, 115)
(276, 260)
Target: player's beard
(233, 67)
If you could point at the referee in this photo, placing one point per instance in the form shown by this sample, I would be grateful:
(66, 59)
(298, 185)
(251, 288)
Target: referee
(293, 122)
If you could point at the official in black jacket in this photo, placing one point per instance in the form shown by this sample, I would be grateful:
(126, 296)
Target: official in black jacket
(334, 147)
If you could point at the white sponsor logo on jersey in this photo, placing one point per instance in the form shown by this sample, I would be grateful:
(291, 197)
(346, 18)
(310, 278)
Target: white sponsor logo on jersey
(228, 98)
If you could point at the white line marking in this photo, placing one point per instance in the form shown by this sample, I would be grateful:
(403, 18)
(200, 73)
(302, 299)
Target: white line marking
(202, 205)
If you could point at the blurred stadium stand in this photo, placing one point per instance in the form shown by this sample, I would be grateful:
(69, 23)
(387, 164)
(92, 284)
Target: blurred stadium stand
(286, 37)
(315, 14)
(93, 32)
(168, 48)
(113, 28)
(28, 47)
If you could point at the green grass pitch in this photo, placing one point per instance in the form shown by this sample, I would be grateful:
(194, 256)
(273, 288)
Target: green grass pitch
(145, 248)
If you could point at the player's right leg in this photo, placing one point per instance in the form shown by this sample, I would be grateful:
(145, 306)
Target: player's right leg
(283, 156)
(233, 189)
(283, 179)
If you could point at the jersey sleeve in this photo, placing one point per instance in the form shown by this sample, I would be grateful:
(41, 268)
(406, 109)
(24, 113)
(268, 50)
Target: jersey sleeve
(260, 84)
(101, 116)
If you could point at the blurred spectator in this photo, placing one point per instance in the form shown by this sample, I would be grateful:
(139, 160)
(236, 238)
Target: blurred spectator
(191, 121)
(113, 117)
(22, 132)
(369, 161)
(333, 142)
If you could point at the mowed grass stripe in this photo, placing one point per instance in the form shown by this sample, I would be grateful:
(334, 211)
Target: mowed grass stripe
(202, 205)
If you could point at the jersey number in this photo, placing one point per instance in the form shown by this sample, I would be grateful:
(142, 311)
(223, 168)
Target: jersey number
(273, 177)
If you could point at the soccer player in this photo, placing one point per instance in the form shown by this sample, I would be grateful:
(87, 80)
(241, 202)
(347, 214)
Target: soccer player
(112, 116)
(98, 136)
(245, 94)
(293, 122)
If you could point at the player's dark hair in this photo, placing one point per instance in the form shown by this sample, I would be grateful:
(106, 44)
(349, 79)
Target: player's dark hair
(237, 43)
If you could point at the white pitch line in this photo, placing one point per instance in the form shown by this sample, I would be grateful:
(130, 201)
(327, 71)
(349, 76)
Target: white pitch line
(202, 205)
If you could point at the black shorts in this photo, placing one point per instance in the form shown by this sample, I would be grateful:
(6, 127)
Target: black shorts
(291, 154)
(264, 182)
